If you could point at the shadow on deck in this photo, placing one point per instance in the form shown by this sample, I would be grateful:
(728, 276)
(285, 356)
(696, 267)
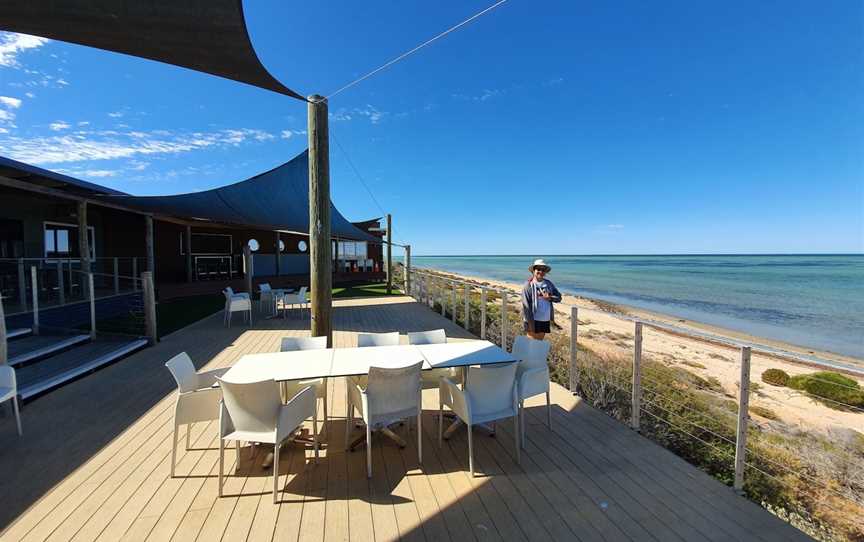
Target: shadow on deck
(94, 460)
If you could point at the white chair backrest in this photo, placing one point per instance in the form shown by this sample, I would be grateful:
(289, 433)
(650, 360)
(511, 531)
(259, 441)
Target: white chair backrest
(435, 336)
(491, 387)
(264, 287)
(531, 352)
(252, 406)
(7, 377)
(289, 344)
(183, 371)
(393, 390)
(302, 293)
(378, 339)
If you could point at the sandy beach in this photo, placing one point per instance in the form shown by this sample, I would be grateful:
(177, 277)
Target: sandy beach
(603, 327)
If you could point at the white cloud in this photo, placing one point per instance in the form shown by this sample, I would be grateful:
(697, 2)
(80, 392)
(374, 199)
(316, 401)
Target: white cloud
(58, 125)
(11, 44)
(30, 95)
(4, 131)
(368, 111)
(288, 134)
(614, 226)
(116, 114)
(13, 103)
(98, 173)
(84, 123)
(7, 116)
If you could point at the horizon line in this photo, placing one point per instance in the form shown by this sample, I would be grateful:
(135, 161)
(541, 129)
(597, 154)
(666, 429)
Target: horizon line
(646, 254)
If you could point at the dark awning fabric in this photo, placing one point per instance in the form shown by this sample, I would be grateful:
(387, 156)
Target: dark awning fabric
(275, 200)
(204, 35)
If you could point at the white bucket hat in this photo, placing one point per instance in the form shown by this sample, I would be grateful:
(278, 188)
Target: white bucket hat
(539, 263)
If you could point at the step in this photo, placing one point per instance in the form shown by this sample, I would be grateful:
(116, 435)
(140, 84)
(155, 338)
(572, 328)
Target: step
(35, 347)
(59, 369)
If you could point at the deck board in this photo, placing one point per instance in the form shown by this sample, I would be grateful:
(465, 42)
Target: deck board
(94, 461)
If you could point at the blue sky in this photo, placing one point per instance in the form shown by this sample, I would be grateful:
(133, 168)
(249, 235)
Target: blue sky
(561, 127)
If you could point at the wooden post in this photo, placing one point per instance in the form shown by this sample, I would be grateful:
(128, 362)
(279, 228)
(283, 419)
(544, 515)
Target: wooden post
(467, 305)
(389, 253)
(116, 275)
(149, 241)
(187, 248)
(278, 256)
(22, 285)
(149, 306)
(4, 349)
(83, 238)
(504, 320)
(92, 293)
(408, 269)
(574, 349)
(61, 287)
(636, 405)
(135, 273)
(320, 260)
(34, 286)
(482, 313)
(743, 420)
(248, 268)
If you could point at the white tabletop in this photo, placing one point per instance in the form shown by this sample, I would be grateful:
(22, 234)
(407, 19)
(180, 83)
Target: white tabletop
(309, 364)
(463, 353)
(294, 365)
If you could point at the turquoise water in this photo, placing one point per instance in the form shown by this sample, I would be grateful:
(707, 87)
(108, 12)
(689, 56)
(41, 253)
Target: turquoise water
(814, 301)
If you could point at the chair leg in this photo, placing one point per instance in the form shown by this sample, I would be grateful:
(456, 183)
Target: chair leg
(221, 463)
(325, 401)
(173, 450)
(188, 435)
(237, 445)
(349, 419)
(440, 424)
(548, 411)
(522, 423)
(315, 435)
(368, 450)
(516, 425)
(420, 437)
(276, 472)
(470, 449)
(17, 414)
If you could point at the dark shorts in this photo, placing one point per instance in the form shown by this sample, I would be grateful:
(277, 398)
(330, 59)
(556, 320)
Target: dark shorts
(539, 327)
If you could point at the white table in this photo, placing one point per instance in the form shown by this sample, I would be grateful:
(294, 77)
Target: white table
(281, 366)
(357, 361)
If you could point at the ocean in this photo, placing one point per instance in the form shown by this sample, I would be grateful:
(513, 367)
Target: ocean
(813, 301)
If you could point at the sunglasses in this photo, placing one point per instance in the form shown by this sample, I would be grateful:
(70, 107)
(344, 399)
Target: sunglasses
(540, 269)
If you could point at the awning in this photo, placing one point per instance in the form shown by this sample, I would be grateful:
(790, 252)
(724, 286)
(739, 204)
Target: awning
(204, 35)
(275, 200)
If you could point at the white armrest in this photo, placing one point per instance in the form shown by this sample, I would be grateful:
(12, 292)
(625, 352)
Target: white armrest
(198, 406)
(207, 379)
(356, 394)
(533, 382)
(242, 295)
(292, 415)
(453, 397)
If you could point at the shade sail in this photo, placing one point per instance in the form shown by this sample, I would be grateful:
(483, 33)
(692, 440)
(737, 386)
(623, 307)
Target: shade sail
(204, 35)
(275, 200)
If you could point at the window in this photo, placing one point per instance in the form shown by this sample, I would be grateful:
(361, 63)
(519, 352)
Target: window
(301, 246)
(350, 250)
(281, 245)
(253, 245)
(61, 241)
(207, 243)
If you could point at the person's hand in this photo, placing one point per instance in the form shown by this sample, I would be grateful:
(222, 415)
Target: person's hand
(546, 295)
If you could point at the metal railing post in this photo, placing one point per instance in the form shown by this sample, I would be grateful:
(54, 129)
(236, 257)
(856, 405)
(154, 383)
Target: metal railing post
(453, 302)
(441, 295)
(467, 305)
(504, 320)
(92, 292)
(116, 276)
(743, 420)
(636, 406)
(574, 349)
(482, 313)
(61, 287)
(22, 285)
(4, 348)
(34, 284)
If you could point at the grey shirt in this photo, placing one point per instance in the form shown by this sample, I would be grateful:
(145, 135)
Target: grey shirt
(529, 301)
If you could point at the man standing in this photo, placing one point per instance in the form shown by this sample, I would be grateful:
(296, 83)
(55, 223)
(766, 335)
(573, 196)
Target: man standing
(538, 294)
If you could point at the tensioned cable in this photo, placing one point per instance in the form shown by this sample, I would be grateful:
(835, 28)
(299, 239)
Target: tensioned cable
(415, 49)
(357, 174)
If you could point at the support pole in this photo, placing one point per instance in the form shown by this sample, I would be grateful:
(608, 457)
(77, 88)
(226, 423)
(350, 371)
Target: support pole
(408, 269)
(743, 420)
(116, 275)
(574, 349)
(4, 349)
(441, 296)
(389, 253)
(320, 261)
(278, 256)
(149, 241)
(34, 285)
(61, 287)
(467, 304)
(22, 285)
(83, 239)
(636, 405)
(482, 313)
(187, 248)
(504, 320)
(92, 293)
(135, 273)
(453, 303)
(149, 306)
(248, 268)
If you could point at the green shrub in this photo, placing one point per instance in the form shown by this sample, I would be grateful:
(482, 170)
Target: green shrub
(832, 388)
(764, 412)
(775, 377)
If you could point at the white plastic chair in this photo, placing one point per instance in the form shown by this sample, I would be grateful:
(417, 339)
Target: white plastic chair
(266, 298)
(532, 375)
(431, 379)
(237, 303)
(254, 412)
(289, 300)
(9, 391)
(197, 399)
(391, 395)
(290, 344)
(489, 395)
(378, 339)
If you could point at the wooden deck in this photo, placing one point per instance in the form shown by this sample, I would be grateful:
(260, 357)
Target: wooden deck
(94, 460)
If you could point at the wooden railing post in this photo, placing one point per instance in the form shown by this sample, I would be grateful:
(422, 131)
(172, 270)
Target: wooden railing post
(408, 269)
(743, 420)
(504, 320)
(34, 285)
(92, 293)
(116, 275)
(389, 253)
(22, 285)
(636, 406)
(61, 287)
(574, 349)
(149, 307)
(467, 305)
(482, 313)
